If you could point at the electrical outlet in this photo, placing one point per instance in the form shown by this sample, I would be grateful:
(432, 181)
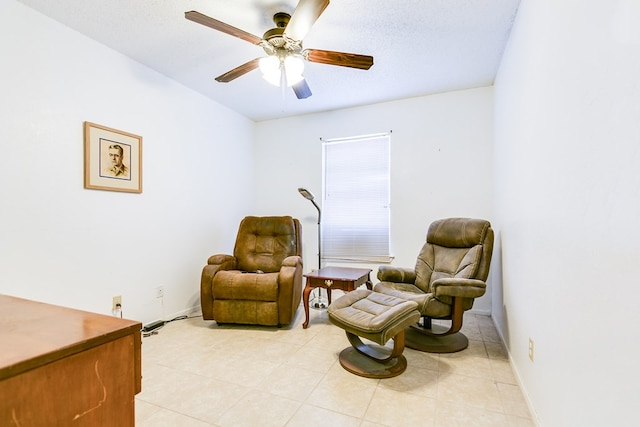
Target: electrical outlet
(116, 306)
(531, 349)
(160, 292)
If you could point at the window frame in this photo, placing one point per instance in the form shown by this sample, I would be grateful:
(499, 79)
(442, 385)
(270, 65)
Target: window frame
(343, 225)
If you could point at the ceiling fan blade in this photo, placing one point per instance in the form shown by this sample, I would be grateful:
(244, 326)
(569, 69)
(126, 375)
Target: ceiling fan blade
(303, 18)
(239, 71)
(221, 26)
(302, 89)
(353, 60)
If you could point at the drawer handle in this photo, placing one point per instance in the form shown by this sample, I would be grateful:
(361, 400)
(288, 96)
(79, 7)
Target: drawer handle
(329, 283)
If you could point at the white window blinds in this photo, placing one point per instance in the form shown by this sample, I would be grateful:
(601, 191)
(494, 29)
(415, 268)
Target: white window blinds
(355, 198)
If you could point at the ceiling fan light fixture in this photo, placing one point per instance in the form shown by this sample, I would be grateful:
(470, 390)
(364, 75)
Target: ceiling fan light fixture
(273, 69)
(270, 69)
(293, 66)
(285, 59)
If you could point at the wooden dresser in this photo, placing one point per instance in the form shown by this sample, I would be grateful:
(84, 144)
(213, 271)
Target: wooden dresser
(66, 367)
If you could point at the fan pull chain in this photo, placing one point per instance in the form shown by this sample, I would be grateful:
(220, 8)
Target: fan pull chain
(283, 81)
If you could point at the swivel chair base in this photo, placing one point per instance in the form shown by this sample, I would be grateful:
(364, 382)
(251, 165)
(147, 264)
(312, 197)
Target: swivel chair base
(420, 339)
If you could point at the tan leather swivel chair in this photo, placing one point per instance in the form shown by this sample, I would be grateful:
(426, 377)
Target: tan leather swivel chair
(450, 273)
(261, 283)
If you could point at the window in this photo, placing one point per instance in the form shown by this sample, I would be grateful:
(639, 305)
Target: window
(355, 198)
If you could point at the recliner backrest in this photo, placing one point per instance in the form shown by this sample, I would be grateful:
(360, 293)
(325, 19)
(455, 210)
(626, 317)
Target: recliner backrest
(264, 242)
(455, 247)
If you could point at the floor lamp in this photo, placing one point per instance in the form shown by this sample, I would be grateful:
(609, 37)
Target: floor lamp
(307, 195)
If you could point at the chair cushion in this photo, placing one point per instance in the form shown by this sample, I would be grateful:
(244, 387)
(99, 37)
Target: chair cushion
(238, 285)
(264, 242)
(372, 315)
(427, 302)
(458, 232)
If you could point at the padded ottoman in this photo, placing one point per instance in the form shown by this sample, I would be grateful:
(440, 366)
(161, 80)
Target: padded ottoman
(376, 317)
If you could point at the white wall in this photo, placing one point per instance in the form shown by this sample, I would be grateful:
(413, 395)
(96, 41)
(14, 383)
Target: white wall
(567, 208)
(441, 154)
(71, 246)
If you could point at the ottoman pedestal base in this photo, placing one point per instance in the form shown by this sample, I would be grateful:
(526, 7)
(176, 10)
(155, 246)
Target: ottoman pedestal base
(370, 362)
(378, 318)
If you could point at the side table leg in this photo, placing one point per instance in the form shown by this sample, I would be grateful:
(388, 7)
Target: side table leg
(305, 302)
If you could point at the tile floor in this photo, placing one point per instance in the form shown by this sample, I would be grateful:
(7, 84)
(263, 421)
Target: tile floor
(196, 373)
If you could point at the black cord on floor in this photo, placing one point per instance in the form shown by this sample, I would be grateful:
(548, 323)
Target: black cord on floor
(155, 331)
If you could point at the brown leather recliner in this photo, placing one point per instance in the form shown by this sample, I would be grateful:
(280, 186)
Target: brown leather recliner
(450, 273)
(261, 283)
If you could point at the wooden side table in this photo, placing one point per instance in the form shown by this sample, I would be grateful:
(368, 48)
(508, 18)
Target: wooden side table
(344, 278)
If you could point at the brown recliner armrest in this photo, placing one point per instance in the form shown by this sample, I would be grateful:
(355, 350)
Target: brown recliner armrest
(458, 287)
(222, 259)
(387, 273)
(290, 275)
(215, 263)
(292, 261)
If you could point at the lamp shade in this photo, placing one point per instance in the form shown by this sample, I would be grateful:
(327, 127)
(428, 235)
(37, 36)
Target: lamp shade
(306, 193)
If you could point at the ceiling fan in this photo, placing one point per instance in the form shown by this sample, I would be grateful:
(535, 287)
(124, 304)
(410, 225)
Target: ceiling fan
(283, 46)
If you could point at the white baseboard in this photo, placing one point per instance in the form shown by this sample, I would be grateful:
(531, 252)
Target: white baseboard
(532, 411)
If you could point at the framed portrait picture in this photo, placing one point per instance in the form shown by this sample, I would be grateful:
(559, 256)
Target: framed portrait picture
(112, 159)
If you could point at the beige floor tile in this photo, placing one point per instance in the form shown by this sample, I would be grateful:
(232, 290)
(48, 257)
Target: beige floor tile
(473, 334)
(259, 408)
(520, 422)
(207, 364)
(343, 392)
(513, 400)
(295, 334)
(407, 409)
(246, 372)
(421, 359)
(291, 382)
(198, 397)
(243, 344)
(476, 392)
(467, 365)
(366, 423)
(460, 415)
(197, 373)
(490, 334)
(502, 371)
(352, 402)
(496, 350)
(476, 348)
(338, 377)
(485, 322)
(334, 340)
(167, 418)
(144, 410)
(314, 359)
(471, 329)
(423, 382)
(312, 416)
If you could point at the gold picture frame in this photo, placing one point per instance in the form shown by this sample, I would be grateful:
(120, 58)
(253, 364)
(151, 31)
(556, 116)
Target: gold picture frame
(112, 159)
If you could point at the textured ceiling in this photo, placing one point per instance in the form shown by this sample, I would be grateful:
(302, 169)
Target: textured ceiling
(420, 47)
